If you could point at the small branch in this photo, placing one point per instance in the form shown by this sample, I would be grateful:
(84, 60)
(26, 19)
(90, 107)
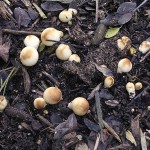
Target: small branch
(144, 57)
(99, 113)
(96, 14)
(15, 32)
(140, 5)
(51, 78)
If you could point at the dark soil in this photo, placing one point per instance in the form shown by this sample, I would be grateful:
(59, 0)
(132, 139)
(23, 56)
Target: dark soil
(22, 127)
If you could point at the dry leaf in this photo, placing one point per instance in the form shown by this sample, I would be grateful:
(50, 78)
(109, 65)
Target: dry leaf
(130, 137)
(112, 32)
(143, 140)
(66, 127)
(81, 146)
(112, 103)
(51, 6)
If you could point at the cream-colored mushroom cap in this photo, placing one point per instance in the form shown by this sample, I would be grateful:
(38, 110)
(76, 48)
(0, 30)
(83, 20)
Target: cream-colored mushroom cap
(65, 16)
(39, 103)
(32, 40)
(63, 52)
(74, 57)
(79, 105)
(52, 95)
(131, 89)
(124, 65)
(29, 56)
(73, 11)
(144, 47)
(3, 103)
(51, 34)
(138, 86)
(120, 44)
(108, 82)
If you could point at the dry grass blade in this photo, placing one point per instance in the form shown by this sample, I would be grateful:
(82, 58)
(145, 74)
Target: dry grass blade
(97, 141)
(143, 140)
(130, 137)
(41, 13)
(112, 131)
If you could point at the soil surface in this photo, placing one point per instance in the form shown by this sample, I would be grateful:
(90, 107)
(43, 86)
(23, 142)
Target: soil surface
(56, 127)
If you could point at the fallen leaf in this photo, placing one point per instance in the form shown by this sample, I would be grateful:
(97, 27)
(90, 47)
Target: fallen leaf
(51, 6)
(91, 125)
(22, 16)
(143, 140)
(112, 103)
(130, 137)
(32, 13)
(125, 18)
(112, 32)
(81, 146)
(105, 94)
(104, 70)
(66, 127)
(126, 7)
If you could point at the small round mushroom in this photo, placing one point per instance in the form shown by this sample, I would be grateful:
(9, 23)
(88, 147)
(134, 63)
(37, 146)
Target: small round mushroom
(120, 44)
(124, 65)
(49, 35)
(130, 89)
(39, 103)
(144, 47)
(63, 52)
(29, 56)
(32, 40)
(74, 57)
(79, 105)
(138, 86)
(3, 103)
(65, 16)
(108, 82)
(126, 41)
(52, 95)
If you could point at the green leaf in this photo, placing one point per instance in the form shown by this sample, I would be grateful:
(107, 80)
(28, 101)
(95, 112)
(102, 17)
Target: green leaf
(112, 32)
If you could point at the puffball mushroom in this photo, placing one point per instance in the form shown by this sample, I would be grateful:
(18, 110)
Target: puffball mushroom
(65, 16)
(124, 65)
(108, 82)
(49, 35)
(74, 57)
(79, 105)
(63, 52)
(130, 89)
(52, 95)
(32, 40)
(3, 103)
(39, 103)
(29, 56)
(144, 47)
(138, 86)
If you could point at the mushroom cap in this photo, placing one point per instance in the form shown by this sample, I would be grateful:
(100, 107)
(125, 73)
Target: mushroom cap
(124, 65)
(73, 11)
(74, 57)
(65, 16)
(50, 34)
(138, 86)
(144, 47)
(3, 103)
(108, 82)
(39, 103)
(52, 95)
(63, 52)
(79, 105)
(29, 56)
(32, 40)
(120, 44)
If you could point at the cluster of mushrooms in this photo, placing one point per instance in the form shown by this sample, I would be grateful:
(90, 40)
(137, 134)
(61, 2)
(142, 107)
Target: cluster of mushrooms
(52, 95)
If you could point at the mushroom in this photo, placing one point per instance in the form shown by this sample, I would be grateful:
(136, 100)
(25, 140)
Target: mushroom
(52, 95)
(50, 36)
(130, 89)
(39, 103)
(108, 82)
(74, 57)
(79, 105)
(3, 103)
(29, 56)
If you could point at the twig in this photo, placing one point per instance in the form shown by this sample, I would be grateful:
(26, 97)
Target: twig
(144, 57)
(97, 142)
(15, 32)
(96, 14)
(140, 5)
(51, 78)
(99, 113)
